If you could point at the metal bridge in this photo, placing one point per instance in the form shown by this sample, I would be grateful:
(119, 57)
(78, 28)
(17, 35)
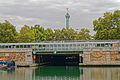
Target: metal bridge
(60, 52)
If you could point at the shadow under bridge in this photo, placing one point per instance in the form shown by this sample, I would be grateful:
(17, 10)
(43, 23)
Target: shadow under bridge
(57, 59)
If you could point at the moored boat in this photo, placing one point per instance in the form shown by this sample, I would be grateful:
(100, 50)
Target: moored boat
(7, 64)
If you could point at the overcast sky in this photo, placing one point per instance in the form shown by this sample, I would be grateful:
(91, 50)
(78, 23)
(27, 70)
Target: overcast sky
(51, 13)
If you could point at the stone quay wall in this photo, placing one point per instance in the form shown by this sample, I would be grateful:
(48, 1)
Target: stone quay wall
(22, 57)
(101, 56)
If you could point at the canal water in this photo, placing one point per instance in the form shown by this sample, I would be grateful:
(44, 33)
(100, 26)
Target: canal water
(61, 73)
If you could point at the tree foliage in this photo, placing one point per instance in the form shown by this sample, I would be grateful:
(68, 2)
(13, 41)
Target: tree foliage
(65, 34)
(41, 34)
(84, 35)
(25, 35)
(49, 34)
(108, 26)
(36, 33)
(71, 34)
(7, 32)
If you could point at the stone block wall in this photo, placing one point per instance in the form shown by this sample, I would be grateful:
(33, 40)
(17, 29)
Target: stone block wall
(22, 57)
(101, 56)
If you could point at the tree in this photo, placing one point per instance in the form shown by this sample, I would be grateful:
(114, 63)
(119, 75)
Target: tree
(7, 32)
(108, 26)
(65, 34)
(49, 34)
(71, 34)
(68, 34)
(84, 35)
(57, 34)
(40, 34)
(26, 35)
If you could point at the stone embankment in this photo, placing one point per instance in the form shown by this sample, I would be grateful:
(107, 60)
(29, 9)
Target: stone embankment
(101, 56)
(22, 57)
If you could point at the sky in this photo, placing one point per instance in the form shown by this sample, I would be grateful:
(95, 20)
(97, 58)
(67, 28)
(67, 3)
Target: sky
(51, 13)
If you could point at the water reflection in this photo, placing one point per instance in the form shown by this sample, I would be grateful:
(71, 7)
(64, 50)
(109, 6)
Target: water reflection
(58, 73)
(61, 73)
